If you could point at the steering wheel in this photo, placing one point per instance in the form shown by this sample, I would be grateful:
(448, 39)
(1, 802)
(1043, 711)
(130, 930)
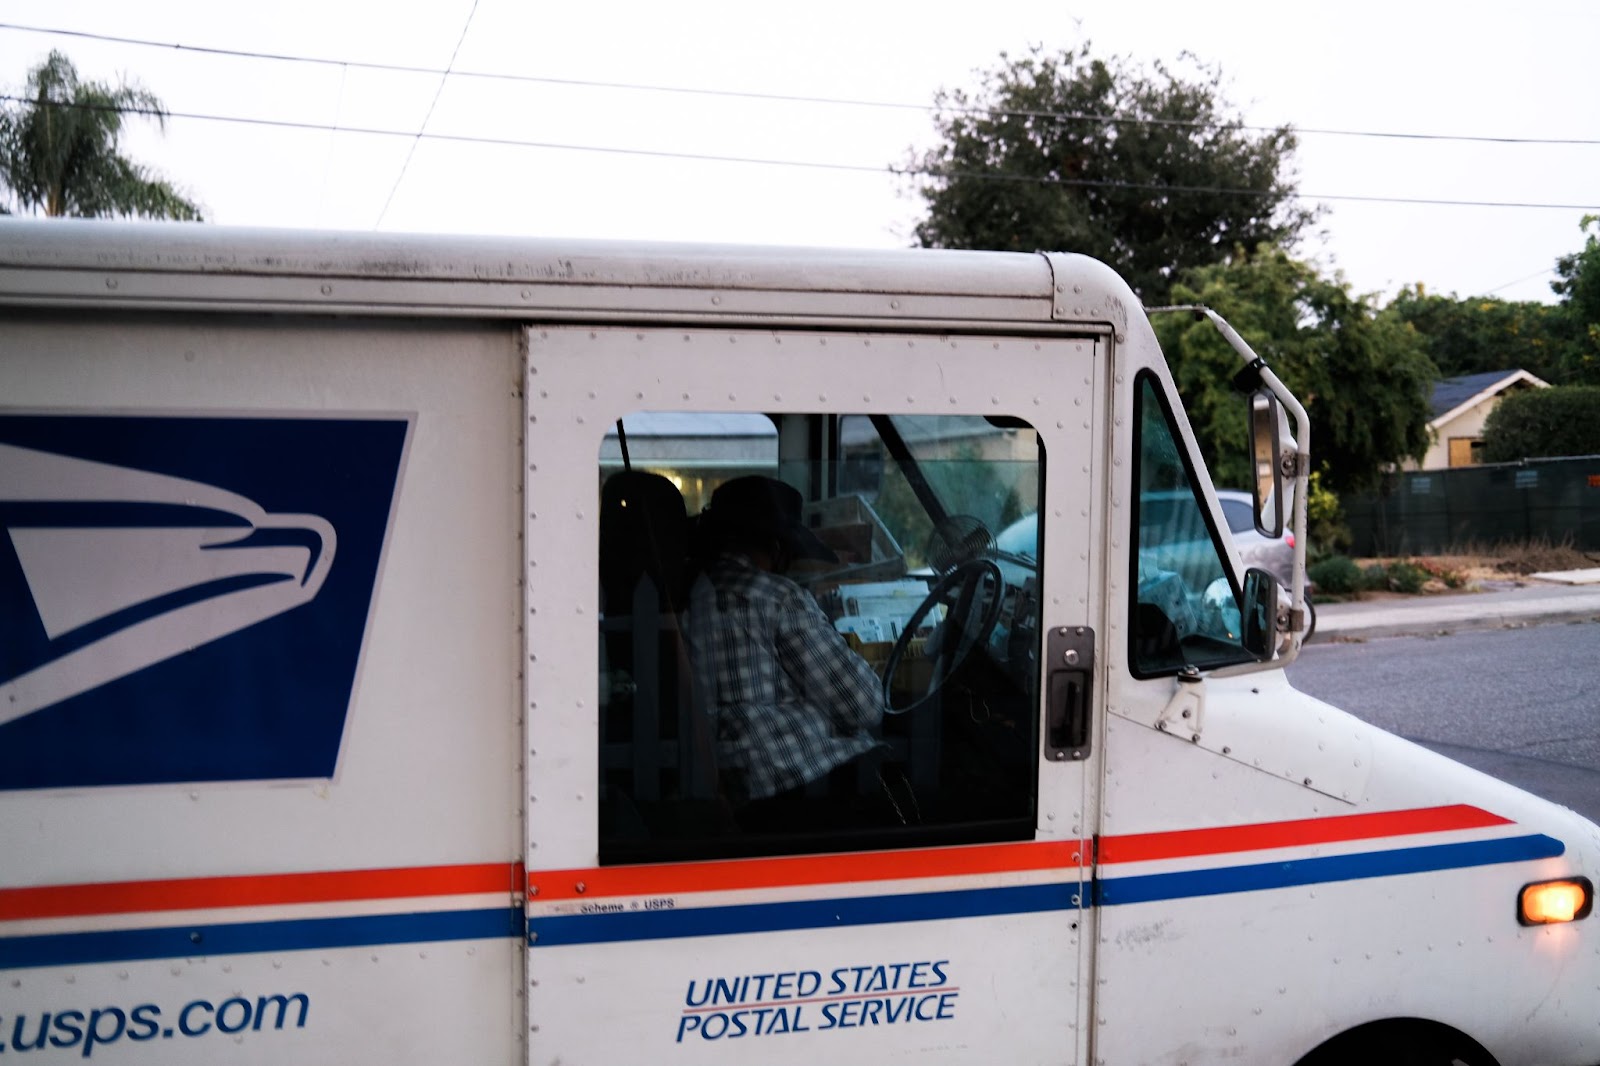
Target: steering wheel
(971, 618)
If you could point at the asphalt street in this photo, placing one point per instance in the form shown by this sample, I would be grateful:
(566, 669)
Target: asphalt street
(1522, 704)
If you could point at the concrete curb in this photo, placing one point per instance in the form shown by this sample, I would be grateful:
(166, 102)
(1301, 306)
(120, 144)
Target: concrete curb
(1570, 577)
(1539, 603)
(1444, 626)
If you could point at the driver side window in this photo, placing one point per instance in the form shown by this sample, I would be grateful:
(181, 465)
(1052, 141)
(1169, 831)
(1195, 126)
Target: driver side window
(804, 655)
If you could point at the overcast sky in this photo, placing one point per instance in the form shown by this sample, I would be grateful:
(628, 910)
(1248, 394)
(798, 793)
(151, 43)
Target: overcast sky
(1400, 66)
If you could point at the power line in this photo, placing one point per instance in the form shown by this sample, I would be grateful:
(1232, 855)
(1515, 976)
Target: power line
(327, 159)
(905, 172)
(404, 68)
(443, 77)
(1519, 281)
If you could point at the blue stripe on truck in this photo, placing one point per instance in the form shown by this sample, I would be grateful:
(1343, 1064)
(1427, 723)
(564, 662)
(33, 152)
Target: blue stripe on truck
(606, 926)
(615, 926)
(1323, 870)
(245, 938)
(609, 927)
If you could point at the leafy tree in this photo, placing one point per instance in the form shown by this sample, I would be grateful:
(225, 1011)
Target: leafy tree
(1560, 343)
(1578, 284)
(1363, 376)
(1146, 171)
(59, 152)
(1535, 423)
(1475, 334)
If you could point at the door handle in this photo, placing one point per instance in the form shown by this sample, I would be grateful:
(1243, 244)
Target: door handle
(1069, 693)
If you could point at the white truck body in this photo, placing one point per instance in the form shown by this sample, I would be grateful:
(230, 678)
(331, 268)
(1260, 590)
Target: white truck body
(305, 741)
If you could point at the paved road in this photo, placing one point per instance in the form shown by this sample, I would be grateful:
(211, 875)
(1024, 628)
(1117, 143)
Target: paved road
(1521, 704)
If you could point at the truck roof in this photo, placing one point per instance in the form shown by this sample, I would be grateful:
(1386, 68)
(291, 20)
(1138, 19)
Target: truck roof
(61, 262)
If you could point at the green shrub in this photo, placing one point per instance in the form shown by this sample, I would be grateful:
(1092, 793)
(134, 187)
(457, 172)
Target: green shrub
(1530, 423)
(1398, 576)
(1406, 576)
(1336, 575)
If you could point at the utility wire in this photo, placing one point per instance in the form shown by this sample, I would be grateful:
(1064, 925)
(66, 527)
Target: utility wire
(327, 159)
(906, 172)
(1519, 281)
(789, 98)
(444, 76)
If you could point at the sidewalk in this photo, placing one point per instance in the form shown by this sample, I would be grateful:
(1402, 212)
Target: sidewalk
(1551, 600)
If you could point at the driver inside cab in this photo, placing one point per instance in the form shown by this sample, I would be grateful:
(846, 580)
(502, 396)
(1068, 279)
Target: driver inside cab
(797, 713)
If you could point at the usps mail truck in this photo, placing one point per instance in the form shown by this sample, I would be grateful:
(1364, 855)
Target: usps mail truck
(355, 705)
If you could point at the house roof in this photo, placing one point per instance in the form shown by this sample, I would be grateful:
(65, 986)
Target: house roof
(1451, 395)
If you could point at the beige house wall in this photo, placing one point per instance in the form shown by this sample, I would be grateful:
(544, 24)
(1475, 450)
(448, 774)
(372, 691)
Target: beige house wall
(1468, 423)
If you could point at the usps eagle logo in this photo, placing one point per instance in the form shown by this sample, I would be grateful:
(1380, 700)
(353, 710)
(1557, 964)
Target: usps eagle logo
(184, 599)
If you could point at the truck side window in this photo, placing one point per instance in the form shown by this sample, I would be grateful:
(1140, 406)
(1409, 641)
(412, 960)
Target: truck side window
(1185, 607)
(752, 604)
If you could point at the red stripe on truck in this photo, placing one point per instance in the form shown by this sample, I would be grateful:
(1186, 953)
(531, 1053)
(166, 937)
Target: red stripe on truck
(734, 874)
(1234, 838)
(258, 890)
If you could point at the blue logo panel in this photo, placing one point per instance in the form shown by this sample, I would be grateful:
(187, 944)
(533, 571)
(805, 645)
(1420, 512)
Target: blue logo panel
(184, 599)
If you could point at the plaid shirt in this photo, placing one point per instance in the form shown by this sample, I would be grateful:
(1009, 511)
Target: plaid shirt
(792, 700)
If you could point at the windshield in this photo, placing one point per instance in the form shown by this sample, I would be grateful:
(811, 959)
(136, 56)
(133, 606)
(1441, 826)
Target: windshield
(945, 484)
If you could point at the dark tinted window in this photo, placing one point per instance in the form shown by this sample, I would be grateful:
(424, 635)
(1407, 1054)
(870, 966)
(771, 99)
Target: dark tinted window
(743, 711)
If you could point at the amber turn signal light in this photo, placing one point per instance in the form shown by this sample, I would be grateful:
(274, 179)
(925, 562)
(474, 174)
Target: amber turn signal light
(1549, 902)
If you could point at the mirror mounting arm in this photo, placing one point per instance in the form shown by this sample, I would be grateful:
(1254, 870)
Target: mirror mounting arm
(1300, 457)
(1248, 380)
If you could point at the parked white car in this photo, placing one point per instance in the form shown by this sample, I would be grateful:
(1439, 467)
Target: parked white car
(1272, 554)
(1275, 555)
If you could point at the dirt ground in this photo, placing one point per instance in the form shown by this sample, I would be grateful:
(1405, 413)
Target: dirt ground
(1502, 566)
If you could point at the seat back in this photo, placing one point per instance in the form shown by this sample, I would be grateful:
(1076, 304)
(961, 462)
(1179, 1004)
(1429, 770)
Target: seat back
(644, 534)
(657, 746)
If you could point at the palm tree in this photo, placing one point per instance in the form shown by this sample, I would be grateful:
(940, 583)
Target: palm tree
(58, 149)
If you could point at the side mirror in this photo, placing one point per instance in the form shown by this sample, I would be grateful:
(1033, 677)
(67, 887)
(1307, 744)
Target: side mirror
(1267, 424)
(1258, 615)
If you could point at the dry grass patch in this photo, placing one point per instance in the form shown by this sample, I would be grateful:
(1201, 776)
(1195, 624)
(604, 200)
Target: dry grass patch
(1469, 566)
(1538, 556)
